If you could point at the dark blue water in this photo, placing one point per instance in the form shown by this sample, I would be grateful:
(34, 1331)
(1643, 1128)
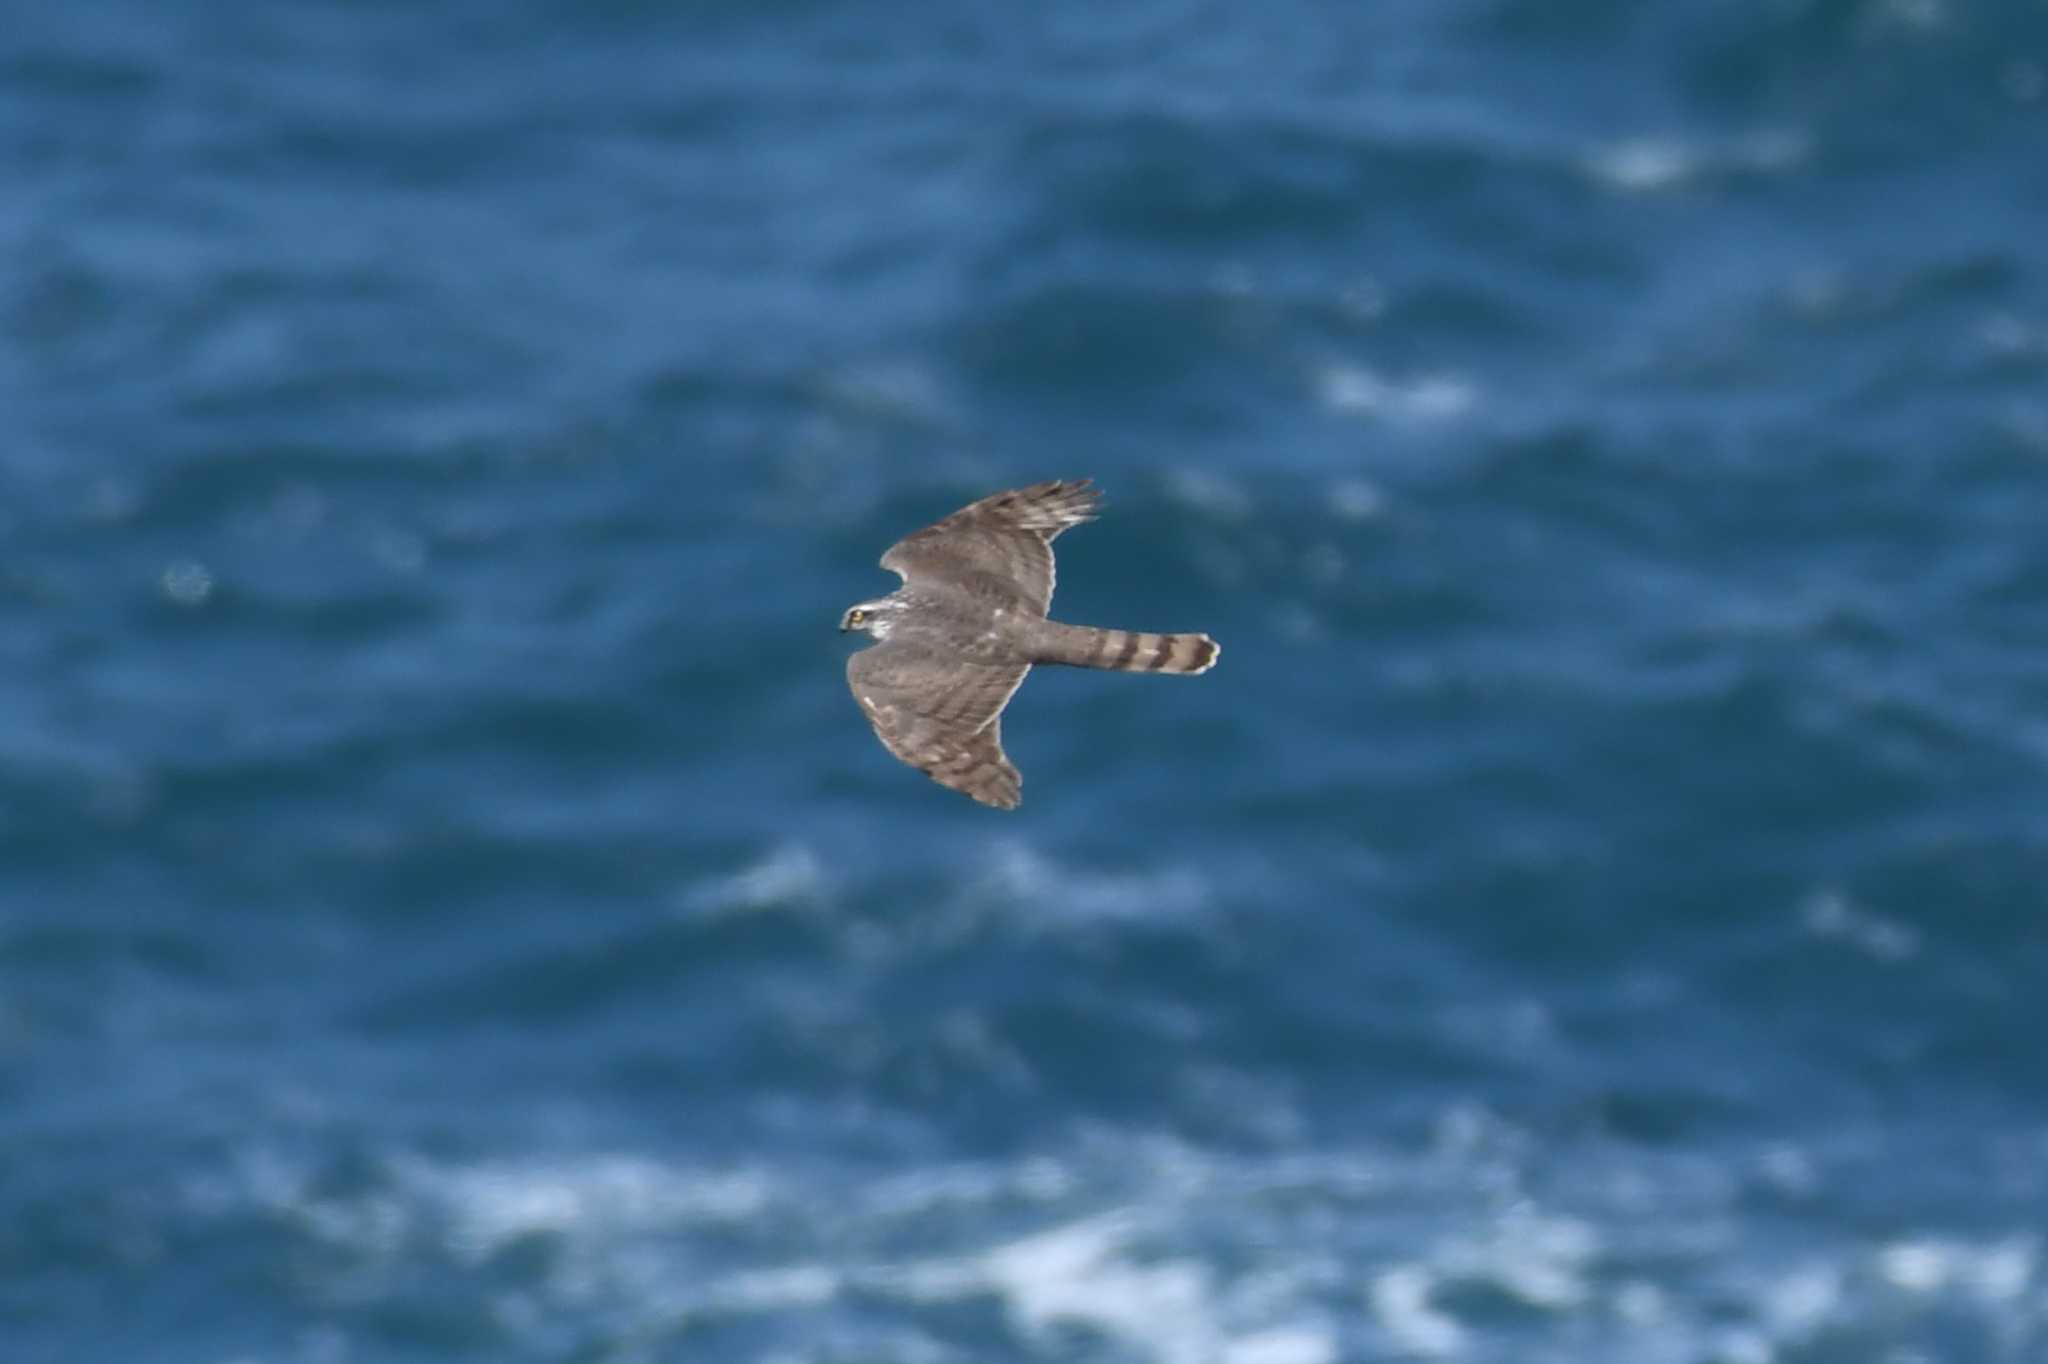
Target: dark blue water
(451, 910)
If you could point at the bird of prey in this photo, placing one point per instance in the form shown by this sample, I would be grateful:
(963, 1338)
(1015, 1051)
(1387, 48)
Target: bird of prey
(955, 640)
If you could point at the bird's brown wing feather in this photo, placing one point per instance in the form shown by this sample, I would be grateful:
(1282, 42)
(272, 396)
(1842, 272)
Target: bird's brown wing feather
(1003, 542)
(941, 714)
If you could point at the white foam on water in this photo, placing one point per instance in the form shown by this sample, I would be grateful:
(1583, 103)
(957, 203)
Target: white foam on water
(901, 388)
(187, 582)
(1054, 893)
(1802, 1300)
(1647, 164)
(1832, 915)
(396, 547)
(476, 1211)
(1993, 1272)
(1282, 1345)
(1788, 1170)
(1354, 499)
(774, 1290)
(2009, 334)
(1297, 624)
(1223, 498)
(1087, 1275)
(1401, 1302)
(1541, 1258)
(1358, 391)
(1157, 1249)
(1642, 1305)
(1739, 1345)
(489, 1206)
(1078, 1274)
(1644, 163)
(787, 876)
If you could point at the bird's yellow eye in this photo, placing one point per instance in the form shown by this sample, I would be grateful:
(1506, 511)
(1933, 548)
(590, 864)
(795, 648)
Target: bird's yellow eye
(855, 617)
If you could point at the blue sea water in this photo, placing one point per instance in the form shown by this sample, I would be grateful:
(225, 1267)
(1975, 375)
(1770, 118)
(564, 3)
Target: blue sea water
(451, 910)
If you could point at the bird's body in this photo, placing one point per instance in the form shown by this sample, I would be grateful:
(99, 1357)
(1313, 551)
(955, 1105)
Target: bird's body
(956, 640)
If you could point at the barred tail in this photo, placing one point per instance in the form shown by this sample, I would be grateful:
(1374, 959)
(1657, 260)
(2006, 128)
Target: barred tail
(1131, 651)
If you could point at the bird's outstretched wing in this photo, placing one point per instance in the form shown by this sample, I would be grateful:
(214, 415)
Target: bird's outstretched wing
(1001, 544)
(941, 714)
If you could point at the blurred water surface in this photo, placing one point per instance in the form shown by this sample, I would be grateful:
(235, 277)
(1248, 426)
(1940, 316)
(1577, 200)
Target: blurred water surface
(451, 910)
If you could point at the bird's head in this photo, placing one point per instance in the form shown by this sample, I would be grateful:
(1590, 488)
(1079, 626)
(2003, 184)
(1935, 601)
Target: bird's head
(873, 617)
